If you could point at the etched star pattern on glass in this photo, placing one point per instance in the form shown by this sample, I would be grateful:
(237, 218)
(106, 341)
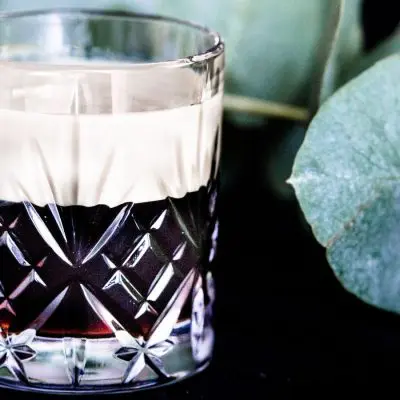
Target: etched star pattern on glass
(73, 301)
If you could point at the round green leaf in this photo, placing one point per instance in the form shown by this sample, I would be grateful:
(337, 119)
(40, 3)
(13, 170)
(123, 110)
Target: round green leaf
(342, 45)
(346, 177)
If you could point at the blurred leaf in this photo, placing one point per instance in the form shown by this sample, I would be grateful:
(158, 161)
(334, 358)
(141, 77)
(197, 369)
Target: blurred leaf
(254, 106)
(347, 179)
(271, 44)
(120, 41)
(386, 48)
(344, 39)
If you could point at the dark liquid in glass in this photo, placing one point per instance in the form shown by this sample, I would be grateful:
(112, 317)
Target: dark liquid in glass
(58, 265)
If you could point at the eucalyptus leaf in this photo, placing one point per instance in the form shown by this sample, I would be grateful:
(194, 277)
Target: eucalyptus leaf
(343, 44)
(366, 256)
(346, 177)
(342, 40)
(271, 44)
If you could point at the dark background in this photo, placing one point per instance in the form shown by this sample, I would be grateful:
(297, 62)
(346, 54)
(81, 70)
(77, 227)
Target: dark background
(284, 324)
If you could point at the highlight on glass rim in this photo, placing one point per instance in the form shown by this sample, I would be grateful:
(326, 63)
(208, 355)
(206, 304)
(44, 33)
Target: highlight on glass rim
(179, 179)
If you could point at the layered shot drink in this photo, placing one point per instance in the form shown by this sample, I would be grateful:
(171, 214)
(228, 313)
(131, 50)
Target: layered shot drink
(108, 188)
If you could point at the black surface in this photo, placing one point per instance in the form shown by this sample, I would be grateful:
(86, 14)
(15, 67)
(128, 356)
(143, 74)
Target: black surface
(284, 324)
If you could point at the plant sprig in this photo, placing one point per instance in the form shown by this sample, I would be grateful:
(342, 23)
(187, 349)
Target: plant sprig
(259, 107)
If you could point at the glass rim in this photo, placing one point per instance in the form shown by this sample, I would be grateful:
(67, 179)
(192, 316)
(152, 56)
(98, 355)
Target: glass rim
(211, 53)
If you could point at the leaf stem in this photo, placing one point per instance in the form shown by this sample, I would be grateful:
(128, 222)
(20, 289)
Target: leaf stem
(264, 108)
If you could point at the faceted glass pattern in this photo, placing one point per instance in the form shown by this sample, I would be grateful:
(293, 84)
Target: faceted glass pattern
(109, 150)
(106, 296)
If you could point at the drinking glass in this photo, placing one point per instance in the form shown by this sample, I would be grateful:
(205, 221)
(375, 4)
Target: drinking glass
(110, 135)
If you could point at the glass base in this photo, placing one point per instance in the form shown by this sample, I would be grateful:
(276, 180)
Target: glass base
(105, 389)
(87, 366)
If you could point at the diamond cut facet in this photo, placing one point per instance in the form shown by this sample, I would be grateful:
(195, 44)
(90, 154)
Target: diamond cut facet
(128, 293)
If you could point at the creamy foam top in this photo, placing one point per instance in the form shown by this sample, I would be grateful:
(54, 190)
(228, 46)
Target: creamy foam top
(107, 158)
